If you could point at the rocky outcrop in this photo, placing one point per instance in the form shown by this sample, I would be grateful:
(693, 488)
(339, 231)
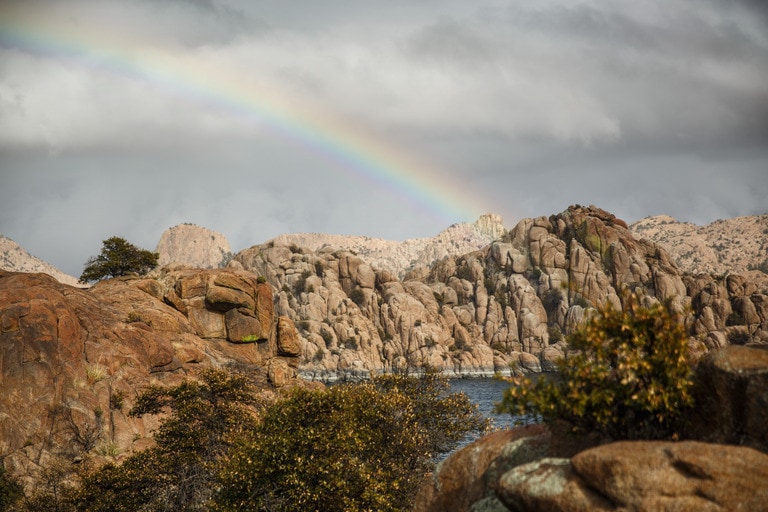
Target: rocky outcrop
(722, 465)
(72, 361)
(14, 258)
(504, 308)
(194, 246)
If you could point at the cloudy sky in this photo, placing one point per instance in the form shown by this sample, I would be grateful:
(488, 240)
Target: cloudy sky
(389, 119)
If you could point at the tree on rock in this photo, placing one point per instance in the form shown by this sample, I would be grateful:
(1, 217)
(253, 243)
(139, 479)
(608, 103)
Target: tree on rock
(118, 258)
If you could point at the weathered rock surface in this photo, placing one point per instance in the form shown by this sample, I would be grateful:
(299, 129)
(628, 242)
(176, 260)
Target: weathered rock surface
(467, 476)
(643, 476)
(65, 353)
(400, 257)
(509, 304)
(193, 246)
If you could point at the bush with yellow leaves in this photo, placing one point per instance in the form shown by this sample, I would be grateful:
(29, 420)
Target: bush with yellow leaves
(627, 376)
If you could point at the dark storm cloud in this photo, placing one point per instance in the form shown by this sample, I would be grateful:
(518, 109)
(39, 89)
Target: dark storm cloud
(642, 108)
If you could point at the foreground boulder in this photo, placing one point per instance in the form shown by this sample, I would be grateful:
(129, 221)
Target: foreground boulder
(642, 475)
(732, 397)
(723, 467)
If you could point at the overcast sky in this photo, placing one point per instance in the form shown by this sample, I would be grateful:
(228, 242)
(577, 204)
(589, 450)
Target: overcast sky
(388, 119)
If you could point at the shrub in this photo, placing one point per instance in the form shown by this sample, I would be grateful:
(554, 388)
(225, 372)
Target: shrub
(357, 296)
(738, 337)
(177, 474)
(630, 378)
(352, 447)
(301, 283)
(116, 400)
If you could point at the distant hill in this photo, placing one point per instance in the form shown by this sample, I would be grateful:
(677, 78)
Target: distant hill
(194, 246)
(14, 258)
(730, 245)
(399, 257)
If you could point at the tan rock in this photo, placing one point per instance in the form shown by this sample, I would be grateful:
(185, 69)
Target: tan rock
(243, 326)
(287, 338)
(685, 476)
(464, 478)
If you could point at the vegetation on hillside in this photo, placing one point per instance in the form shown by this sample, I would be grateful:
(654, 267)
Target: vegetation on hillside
(222, 446)
(118, 257)
(628, 376)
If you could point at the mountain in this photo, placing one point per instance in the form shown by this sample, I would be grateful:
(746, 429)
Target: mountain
(15, 259)
(730, 245)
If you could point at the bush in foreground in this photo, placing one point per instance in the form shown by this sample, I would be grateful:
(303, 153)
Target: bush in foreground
(629, 378)
(351, 448)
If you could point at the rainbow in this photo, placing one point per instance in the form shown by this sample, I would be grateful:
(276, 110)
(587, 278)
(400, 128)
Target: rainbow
(350, 148)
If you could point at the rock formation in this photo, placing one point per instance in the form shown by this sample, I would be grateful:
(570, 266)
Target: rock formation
(14, 258)
(729, 245)
(399, 257)
(72, 361)
(194, 246)
(507, 305)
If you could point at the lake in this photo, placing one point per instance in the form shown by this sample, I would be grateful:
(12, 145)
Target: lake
(485, 393)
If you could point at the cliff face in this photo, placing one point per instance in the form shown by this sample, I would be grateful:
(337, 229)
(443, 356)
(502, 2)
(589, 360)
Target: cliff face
(509, 303)
(72, 361)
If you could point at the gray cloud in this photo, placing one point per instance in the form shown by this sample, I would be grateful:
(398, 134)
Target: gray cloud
(129, 117)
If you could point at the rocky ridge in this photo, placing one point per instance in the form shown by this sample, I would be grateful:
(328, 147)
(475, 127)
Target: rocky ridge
(14, 258)
(724, 246)
(399, 257)
(508, 305)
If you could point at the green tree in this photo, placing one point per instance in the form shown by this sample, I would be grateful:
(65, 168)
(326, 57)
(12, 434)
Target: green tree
(118, 257)
(205, 416)
(353, 447)
(629, 378)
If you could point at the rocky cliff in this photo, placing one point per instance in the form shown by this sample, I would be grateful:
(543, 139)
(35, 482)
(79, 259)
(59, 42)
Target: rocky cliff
(72, 361)
(506, 305)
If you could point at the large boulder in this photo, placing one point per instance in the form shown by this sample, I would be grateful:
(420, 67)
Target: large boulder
(731, 395)
(642, 476)
(467, 476)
